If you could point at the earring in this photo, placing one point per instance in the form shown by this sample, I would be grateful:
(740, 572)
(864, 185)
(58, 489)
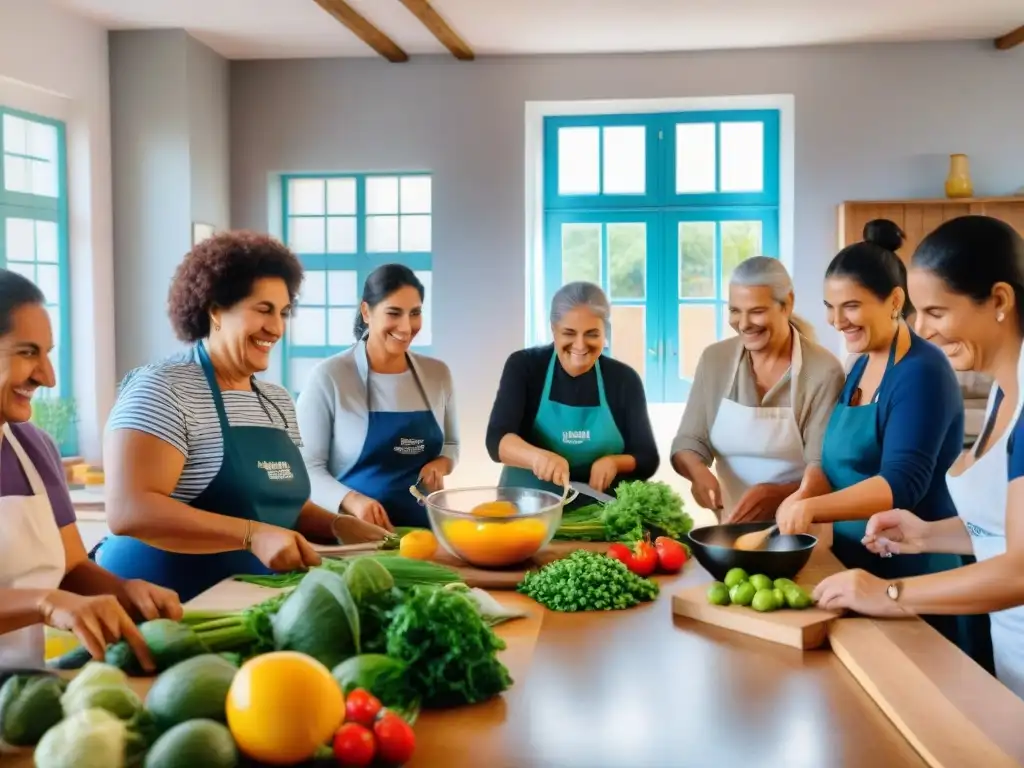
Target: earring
(1000, 317)
(216, 327)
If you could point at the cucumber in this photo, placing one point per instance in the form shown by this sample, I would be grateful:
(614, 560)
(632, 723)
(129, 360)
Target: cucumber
(194, 743)
(197, 688)
(73, 659)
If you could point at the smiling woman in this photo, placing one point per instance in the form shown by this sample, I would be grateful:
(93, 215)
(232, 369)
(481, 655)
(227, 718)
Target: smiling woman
(204, 475)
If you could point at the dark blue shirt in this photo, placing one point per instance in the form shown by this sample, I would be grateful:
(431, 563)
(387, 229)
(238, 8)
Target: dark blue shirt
(921, 426)
(1014, 458)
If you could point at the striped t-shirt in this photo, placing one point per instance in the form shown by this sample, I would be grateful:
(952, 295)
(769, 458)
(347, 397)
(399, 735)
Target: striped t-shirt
(171, 400)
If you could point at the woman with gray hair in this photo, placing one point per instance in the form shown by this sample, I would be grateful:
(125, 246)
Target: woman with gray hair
(565, 411)
(760, 401)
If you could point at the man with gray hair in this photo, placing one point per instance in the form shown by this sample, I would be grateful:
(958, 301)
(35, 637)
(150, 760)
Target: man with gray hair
(759, 403)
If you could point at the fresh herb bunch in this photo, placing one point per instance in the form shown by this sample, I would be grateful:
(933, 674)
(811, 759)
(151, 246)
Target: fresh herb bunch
(587, 581)
(640, 507)
(449, 649)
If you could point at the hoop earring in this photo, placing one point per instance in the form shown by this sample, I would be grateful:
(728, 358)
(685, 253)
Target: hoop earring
(216, 327)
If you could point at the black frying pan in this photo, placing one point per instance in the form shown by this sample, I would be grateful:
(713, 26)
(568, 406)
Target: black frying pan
(781, 558)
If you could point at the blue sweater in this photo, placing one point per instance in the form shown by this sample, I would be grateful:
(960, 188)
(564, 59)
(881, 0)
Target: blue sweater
(921, 426)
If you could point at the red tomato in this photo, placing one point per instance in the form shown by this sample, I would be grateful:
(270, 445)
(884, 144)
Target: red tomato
(395, 740)
(671, 554)
(361, 707)
(354, 745)
(645, 559)
(621, 553)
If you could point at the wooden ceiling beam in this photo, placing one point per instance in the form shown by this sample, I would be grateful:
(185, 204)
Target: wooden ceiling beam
(431, 19)
(362, 28)
(1010, 39)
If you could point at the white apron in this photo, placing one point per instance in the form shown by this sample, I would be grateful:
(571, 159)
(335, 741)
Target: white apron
(31, 557)
(980, 495)
(754, 444)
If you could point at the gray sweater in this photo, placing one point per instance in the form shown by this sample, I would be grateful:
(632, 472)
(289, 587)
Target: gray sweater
(333, 416)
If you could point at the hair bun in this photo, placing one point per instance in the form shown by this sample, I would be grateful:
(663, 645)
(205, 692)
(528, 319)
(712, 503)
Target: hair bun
(885, 234)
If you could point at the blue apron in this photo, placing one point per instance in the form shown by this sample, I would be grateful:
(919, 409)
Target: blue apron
(851, 453)
(398, 445)
(579, 434)
(262, 477)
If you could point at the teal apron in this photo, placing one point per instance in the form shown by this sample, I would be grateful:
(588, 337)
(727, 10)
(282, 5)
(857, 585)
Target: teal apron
(851, 453)
(262, 477)
(579, 434)
(397, 446)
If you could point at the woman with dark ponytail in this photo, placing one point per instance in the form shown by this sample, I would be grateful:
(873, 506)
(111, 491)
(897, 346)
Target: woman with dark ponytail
(898, 424)
(967, 278)
(379, 418)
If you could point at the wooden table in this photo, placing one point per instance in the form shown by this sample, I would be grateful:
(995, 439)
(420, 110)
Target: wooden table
(644, 689)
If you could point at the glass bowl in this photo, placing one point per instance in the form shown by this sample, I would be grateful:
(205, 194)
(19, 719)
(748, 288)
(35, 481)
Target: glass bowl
(492, 527)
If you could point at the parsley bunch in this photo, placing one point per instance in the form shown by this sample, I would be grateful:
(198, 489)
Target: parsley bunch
(587, 581)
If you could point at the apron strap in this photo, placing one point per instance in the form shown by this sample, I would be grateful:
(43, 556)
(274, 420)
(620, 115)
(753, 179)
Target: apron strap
(415, 378)
(888, 364)
(545, 393)
(796, 363)
(218, 400)
(35, 481)
(601, 399)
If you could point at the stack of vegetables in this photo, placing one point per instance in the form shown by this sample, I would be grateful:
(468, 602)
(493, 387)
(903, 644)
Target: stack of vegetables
(272, 683)
(641, 509)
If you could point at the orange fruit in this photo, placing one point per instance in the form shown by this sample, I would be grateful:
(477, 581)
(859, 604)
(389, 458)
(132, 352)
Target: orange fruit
(283, 706)
(418, 545)
(500, 508)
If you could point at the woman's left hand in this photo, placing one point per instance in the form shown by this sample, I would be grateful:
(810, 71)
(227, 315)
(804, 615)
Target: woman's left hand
(857, 591)
(433, 473)
(603, 473)
(794, 516)
(150, 601)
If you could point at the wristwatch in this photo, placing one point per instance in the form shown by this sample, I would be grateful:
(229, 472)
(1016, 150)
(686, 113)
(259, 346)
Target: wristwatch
(893, 590)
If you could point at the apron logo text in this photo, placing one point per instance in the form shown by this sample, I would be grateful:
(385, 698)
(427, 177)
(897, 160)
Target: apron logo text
(277, 470)
(410, 446)
(575, 436)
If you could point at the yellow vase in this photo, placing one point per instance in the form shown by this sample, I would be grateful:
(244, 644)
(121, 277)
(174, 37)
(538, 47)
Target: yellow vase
(958, 183)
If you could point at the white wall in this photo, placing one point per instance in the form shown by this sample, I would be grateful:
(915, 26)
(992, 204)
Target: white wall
(55, 64)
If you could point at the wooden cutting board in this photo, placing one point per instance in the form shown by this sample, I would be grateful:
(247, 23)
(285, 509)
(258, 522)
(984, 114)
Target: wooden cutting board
(804, 629)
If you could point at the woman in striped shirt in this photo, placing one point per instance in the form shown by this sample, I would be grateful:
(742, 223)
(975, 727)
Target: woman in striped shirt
(204, 475)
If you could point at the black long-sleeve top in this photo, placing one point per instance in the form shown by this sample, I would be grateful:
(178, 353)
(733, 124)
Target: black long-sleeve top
(518, 399)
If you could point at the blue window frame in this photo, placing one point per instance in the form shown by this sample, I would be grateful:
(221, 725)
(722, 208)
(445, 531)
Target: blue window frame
(34, 243)
(342, 227)
(658, 209)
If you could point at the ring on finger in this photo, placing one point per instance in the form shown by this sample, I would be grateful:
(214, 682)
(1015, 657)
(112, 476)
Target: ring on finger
(886, 554)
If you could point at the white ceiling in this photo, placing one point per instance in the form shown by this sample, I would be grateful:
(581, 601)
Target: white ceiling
(252, 29)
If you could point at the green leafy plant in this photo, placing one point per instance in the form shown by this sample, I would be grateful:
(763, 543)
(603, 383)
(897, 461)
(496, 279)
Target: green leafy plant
(56, 416)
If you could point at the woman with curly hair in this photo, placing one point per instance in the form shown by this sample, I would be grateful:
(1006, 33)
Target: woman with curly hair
(204, 475)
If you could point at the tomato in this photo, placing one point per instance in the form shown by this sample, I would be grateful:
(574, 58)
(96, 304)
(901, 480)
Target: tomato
(395, 740)
(361, 707)
(645, 559)
(621, 553)
(354, 745)
(282, 706)
(671, 554)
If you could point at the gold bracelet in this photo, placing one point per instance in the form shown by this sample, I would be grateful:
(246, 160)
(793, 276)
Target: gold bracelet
(247, 539)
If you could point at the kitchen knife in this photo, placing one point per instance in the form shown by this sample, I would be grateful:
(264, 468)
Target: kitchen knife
(593, 493)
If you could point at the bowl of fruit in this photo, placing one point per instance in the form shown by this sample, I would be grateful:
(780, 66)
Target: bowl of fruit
(494, 527)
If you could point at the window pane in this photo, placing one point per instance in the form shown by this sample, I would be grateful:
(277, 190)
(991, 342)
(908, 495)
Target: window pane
(629, 336)
(48, 280)
(581, 253)
(16, 174)
(23, 268)
(742, 157)
(21, 240)
(314, 289)
(342, 287)
(42, 141)
(341, 196)
(306, 197)
(382, 233)
(340, 322)
(299, 369)
(696, 332)
(696, 259)
(695, 157)
(578, 163)
(740, 241)
(627, 260)
(625, 167)
(44, 178)
(15, 135)
(46, 241)
(382, 194)
(426, 335)
(415, 194)
(415, 233)
(306, 235)
(309, 327)
(341, 235)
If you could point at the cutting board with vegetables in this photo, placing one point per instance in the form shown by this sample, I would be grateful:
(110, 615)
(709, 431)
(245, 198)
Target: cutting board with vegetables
(804, 628)
(508, 578)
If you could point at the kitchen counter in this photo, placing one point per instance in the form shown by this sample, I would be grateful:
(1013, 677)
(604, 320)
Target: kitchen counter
(642, 688)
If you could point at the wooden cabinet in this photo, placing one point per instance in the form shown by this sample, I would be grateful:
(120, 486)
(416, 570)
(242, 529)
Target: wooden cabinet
(919, 217)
